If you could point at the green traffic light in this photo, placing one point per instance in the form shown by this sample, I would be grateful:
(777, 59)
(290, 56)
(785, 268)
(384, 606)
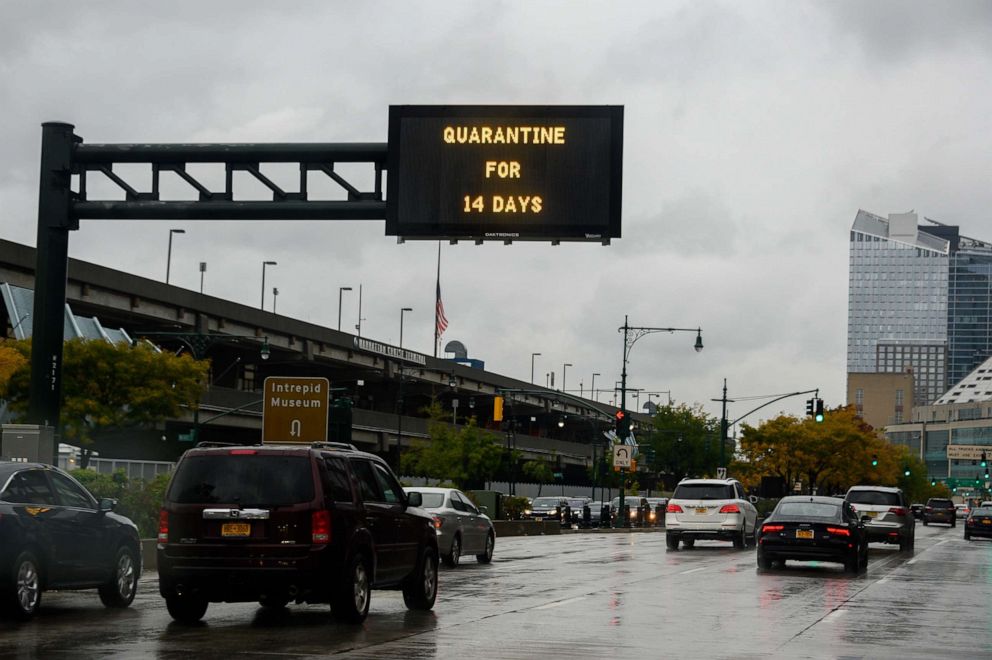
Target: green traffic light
(819, 418)
(906, 472)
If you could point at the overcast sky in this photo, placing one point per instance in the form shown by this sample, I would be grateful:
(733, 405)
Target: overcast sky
(753, 134)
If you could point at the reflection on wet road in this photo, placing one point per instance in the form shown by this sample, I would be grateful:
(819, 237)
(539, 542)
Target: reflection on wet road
(589, 595)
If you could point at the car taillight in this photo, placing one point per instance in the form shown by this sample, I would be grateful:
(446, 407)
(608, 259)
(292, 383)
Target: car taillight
(929, 508)
(730, 508)
(673, 508)
(163, 526)
(898, 510)
(438, 521)
(969, 521)
(242, 452)
(838, 531)
(320, 526)
(765, 529)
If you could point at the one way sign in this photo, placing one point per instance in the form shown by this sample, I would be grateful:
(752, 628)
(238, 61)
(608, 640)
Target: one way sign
(621, 456)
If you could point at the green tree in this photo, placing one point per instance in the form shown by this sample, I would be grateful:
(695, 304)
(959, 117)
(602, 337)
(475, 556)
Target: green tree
(538, 471)
(685, 441)
(137, 499)
(467, 456)
(113, 386)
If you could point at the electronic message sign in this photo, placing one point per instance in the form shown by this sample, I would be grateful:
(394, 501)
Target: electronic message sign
(505, 173)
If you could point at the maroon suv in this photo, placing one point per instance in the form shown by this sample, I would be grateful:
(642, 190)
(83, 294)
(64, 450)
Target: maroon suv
(279, 524)
(939, 510)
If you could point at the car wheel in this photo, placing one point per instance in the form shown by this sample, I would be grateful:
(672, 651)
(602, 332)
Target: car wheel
(420, 589)
(688, 542)
(273, 602)
(186, 609)
(119, 592)
(853, 563)
(672, 541)
(22, 601)
(967, 536)
(763, 561)
(953, 525)
(451, 559)
(740, 540)
(487, 555)
(925, 523)
(350, 602)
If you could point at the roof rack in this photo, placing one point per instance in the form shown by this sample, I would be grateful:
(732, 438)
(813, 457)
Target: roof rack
(215, 443)
(333, 445)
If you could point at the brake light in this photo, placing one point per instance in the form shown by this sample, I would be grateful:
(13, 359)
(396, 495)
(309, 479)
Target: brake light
(438, 521)
(838, 531)
(898, 510)
(163, 526)
(765, 529)
(929, 508)
(242, 452)
(730, 508)
(673, 508)
(320, 526)
(969, 521)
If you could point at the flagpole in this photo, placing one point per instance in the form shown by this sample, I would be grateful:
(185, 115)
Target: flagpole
(437, 336)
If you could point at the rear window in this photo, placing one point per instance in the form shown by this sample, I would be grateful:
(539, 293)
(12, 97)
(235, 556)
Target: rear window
(982, 511)
(940, 504)
(246, 480)
(433, 500)
(873, 497)
(704, 492)
(809, 510)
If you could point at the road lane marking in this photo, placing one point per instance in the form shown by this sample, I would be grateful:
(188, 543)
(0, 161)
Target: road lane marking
(559, 603)
(693, 570)
(833, 616)
(917, 558)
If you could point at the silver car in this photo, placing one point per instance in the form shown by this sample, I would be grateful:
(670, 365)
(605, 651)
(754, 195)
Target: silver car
(461, 528)
(890, 520)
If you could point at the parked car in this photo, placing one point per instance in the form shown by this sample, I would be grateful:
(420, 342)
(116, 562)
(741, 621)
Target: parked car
(595, 513)
(961, 511)
(917, 510)
(575, 510)
(280, 524)
(710, 509)
(890, 519)
(807, 528)
(462, 529)
(656, 515)
(939, 510)
(548, 508)
(978, 523)
(55, 535)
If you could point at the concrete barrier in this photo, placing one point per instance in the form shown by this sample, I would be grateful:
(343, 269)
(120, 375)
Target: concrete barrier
(526, 527)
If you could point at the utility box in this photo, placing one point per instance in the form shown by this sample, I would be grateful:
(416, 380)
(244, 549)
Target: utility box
(28, 443)
(492, 500)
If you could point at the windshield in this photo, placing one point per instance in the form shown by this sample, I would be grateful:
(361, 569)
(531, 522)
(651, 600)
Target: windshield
(245, 480)
(808, 510)
(703, 492)
(432, 500)
(545, 502)
(940, 504)
(873, 497)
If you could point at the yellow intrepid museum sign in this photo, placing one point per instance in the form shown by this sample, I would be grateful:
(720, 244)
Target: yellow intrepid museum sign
(294, 410)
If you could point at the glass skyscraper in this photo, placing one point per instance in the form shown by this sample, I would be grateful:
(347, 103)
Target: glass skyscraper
(920, 299)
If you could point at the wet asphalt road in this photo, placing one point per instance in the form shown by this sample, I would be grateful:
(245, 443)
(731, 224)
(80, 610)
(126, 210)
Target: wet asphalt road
(583, 595)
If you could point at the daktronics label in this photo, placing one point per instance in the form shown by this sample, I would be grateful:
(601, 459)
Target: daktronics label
(505, 172)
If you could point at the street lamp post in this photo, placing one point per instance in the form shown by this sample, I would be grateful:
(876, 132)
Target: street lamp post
(275, 294)
(532, 356)
(402, 311)
(564, 368)
(168, 258)
(203, 269)
(264, 264)
(341, 290)
(592, 388)
(630, 336)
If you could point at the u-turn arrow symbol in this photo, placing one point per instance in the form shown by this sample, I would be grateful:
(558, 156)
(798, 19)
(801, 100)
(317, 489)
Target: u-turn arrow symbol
(295, 428)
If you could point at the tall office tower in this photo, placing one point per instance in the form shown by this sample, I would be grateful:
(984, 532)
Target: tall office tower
(969, 306)
(898, 302)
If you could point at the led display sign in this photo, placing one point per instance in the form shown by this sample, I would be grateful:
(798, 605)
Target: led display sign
(505, 173)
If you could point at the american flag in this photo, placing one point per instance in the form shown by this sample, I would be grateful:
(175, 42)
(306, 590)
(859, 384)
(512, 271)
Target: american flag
(440, 321)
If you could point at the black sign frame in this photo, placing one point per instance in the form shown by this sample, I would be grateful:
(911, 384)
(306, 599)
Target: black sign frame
(421, 179)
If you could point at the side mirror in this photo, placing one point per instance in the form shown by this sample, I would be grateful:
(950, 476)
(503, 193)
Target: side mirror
(484, 509)
(414, 499)
(753, 499)
(107, 504)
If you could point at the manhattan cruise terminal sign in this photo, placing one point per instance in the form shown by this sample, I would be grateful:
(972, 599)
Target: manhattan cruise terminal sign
(294, 410)
(505, 173)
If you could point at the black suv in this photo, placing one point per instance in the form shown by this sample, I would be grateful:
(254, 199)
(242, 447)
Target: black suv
(940, 510)
(55, 535)
(280, 524)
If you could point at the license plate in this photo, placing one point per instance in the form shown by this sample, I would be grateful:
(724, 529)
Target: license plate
(871, 514)
(235, 529)
(701, 511)
(538, 519)
(987, 522)
(804, 533)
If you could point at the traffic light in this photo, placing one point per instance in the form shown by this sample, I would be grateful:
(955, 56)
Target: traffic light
(623, 426)
(874, 460)
(810, 406)
(906, 472)
(819, 410)
(498, 409)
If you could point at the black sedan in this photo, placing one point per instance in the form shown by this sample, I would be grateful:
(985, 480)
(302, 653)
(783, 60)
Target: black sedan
(978, 523)
(810, 528)
(55, 535)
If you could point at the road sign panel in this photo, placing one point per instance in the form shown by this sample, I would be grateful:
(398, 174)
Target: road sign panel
(294, 410)
(721, 473)
(621, 456)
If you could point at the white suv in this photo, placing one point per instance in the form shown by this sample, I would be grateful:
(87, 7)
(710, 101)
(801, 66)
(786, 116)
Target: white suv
(710, 509)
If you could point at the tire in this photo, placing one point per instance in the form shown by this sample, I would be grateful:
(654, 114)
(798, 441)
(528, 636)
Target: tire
(186, 609)
(764, 562)
(353, 593)
(672, 541)
(752, 541)
(688, 543)
(23, 600)
(420, 589)
(925, 523)
(740, 541)
(967, 536)
(852, 564)
(451, 559)
(954, 524)
(273, 602)
(123, 585)
(487, 554)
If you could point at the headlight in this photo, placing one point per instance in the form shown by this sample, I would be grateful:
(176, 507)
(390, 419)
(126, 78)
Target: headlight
(527, 512)
(554, 510)
(633, 514)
